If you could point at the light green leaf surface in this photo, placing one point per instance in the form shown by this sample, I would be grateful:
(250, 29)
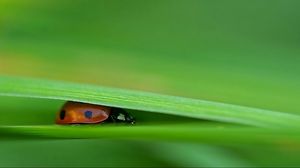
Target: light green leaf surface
(35, 88)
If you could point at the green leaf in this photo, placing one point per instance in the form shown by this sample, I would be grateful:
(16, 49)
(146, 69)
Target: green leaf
(207, 134)
(150, 102)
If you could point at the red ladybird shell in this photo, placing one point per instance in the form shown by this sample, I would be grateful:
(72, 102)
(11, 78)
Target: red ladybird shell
(80, 113)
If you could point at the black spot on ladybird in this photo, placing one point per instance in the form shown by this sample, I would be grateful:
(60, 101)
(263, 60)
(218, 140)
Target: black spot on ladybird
(62, 114)
(88, 114)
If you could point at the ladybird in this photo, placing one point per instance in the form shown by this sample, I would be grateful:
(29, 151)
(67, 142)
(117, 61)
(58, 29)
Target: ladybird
(84, 113)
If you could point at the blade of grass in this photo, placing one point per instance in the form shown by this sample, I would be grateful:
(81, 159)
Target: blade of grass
(182, 133)
(36, 88)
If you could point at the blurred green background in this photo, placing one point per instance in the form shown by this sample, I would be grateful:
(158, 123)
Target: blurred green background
(237, 52)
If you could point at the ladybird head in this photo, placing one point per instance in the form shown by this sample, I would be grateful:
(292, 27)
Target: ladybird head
(120, 115)
(129, 119)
